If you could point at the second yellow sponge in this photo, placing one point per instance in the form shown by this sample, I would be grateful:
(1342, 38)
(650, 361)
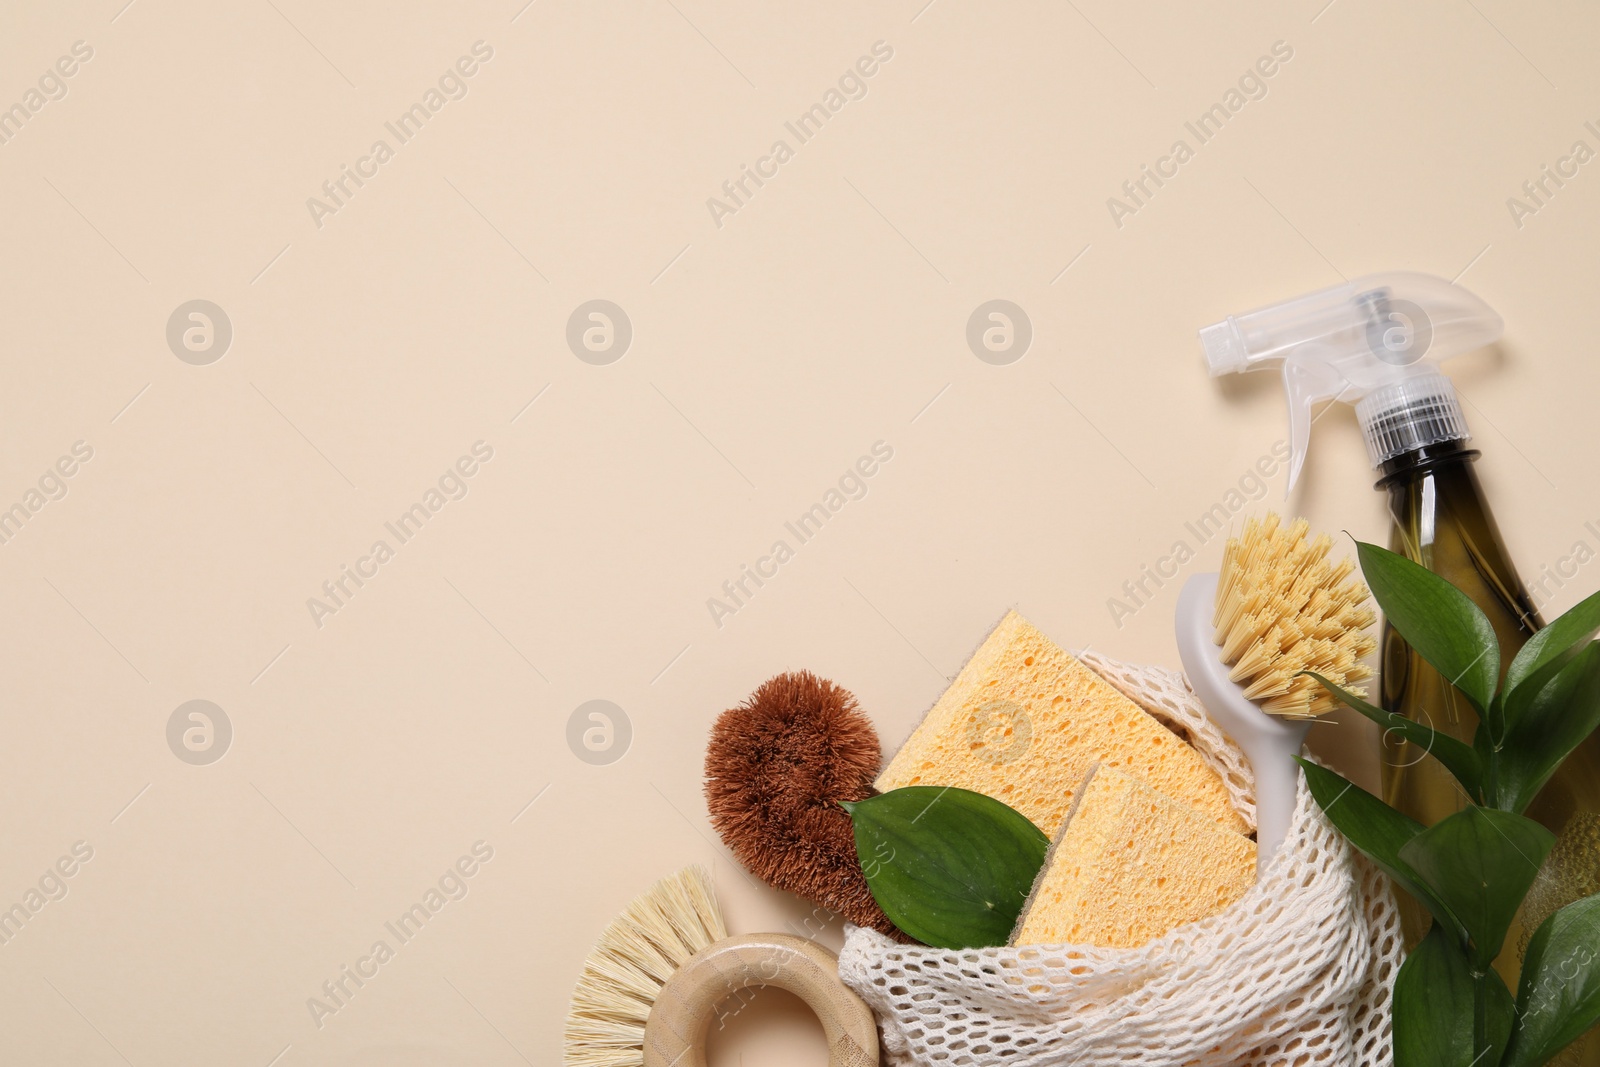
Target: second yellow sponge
(1131, 865)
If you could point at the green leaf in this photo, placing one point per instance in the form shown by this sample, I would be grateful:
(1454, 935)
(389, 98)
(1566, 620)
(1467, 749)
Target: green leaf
(1480, 863)
(1457, 756)
(1559, 998)
(1437, 1006)
(1546, 652)
(1563, 713)
(950, 867)
(1438, 620)
(1378, 831)
(1488, 752)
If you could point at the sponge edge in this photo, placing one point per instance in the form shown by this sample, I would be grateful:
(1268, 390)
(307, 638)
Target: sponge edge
(1024, 721)
(1131, 865)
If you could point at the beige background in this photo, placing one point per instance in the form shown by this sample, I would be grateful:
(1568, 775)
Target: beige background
(768, 354)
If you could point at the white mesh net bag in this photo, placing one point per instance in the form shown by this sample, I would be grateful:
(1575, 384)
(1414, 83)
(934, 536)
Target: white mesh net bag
(1298, 972)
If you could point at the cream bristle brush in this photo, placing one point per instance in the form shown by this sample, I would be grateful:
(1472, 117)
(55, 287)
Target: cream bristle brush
(665, 970)
(1277, 608)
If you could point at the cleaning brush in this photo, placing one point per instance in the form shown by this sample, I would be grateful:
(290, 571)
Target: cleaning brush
(1282, 609)
(1245, 636)
(657, 977)
(776, 768)
(633, 959)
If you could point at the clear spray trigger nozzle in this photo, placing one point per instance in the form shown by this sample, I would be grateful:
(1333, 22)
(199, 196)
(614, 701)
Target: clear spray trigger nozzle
(1374, 342)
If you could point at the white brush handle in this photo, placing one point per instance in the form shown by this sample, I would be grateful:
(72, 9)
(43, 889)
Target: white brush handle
(1268, 741)
(715, 983)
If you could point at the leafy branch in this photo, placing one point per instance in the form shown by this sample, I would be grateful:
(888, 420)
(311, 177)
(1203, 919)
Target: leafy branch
(1472, 869)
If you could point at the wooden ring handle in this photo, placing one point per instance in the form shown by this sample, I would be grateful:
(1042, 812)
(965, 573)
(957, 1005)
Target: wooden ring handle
(716, 982)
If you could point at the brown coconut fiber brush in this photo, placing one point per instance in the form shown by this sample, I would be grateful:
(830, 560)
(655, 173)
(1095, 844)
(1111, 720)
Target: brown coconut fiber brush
(776, 768)
(652, 987)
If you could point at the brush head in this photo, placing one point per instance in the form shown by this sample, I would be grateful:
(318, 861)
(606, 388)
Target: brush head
(776, 768)
(1283, 608)
(630, 963)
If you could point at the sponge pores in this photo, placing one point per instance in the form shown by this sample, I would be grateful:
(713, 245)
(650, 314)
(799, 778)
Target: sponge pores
(1131, 865)
(1025, 721)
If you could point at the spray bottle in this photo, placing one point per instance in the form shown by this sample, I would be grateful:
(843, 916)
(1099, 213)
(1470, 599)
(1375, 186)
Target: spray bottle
(1376, 342)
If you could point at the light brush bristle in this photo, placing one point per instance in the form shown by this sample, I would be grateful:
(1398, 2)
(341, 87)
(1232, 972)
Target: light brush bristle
(1281, 609)
(630, 963)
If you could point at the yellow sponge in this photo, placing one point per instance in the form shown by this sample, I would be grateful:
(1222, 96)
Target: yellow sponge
(1131, 865)
(1024, 721)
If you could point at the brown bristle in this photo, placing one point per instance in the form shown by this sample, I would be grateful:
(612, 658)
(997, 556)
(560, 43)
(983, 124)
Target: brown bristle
(776, 768)
(1281, 609)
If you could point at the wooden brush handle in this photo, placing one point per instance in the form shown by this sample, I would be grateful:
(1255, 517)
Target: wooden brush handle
(718, 981)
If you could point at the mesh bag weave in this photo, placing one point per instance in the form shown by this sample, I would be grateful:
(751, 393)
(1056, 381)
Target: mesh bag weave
(1297, 972)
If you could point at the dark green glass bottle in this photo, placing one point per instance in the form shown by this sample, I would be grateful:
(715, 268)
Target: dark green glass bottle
(1441, 521)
